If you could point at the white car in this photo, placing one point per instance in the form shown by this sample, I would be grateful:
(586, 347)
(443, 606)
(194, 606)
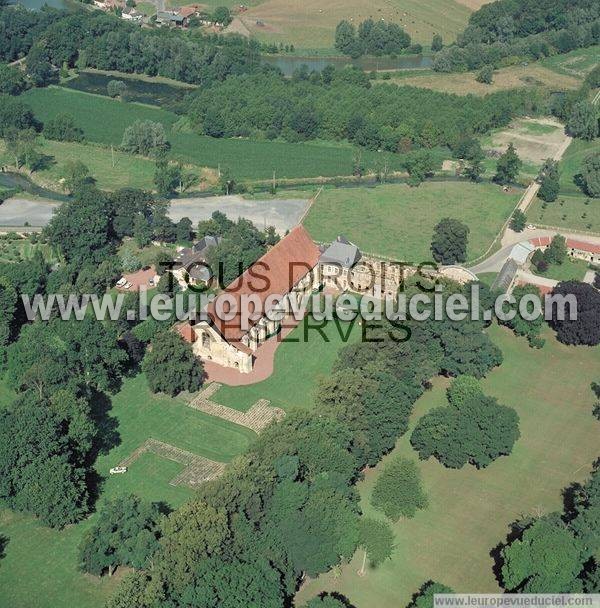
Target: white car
(118, 470)
(121, 282)
(530, 227)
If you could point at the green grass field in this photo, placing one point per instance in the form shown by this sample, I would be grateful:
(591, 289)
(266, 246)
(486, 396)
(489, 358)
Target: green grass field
(570, 270)
(469, 510)
(128, 170)
(104, 120)
(568, 212)
(570, 165)
(302, 357)
(576, 63)
(398, 221)
(40, 567)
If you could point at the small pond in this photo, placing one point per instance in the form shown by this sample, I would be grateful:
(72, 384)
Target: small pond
(153, 93)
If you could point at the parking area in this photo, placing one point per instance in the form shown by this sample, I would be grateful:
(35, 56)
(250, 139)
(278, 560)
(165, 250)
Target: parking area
(283, 214)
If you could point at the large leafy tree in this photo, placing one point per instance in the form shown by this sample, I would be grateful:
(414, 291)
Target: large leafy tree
(508, 166)
(128, 206)
(39, 472)
(376, 539)
(126, 533)
(398, 491)
(171, 366)
(546, 559)
(583, 121)
(77, 354)
(519, 324)
(424, 598)
(549, 180)
(236, 584)
(81, 229)
(449, 244)
(585, 329)
(474, 429)
(590, 172)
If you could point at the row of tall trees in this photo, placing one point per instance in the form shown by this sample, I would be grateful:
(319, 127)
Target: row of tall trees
(341, 104)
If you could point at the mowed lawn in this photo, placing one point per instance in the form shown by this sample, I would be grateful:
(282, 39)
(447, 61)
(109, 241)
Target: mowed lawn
(398, 221)
(40, 567)
(104, 121)
(305, 355)
(568, 212)
(469, 510)
(311, 24)
(570, 270)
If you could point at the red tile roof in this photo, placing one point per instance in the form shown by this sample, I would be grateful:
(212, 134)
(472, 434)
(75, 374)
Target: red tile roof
(540, 241)
(186, 331)
(583, 246)
(544, 241)
(276, 273)
(188, 11)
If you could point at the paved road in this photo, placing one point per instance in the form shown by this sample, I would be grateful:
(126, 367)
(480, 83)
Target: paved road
(495, 262)
(284, 214)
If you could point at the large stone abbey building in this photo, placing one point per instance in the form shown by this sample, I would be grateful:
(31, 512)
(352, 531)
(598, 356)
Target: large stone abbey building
(293, 268)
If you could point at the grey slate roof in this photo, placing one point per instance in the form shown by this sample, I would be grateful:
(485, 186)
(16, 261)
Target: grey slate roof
(341, 252)
(506, 276)
(167, 16)
(197, 252)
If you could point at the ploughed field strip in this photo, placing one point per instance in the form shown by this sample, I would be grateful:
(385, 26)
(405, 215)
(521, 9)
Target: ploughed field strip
(197, 468)
(257, 418)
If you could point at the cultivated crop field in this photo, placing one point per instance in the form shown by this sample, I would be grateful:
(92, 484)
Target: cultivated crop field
(311, 24)
(398, 221)
(532, 75)
(104, 120)
(470, 510)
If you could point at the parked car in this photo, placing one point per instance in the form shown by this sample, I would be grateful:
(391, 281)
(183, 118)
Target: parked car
(118, 470)
(530, 227)
(121, 282)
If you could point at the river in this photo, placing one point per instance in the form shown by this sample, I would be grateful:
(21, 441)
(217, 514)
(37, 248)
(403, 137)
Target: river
(37, 4)
(288, 63)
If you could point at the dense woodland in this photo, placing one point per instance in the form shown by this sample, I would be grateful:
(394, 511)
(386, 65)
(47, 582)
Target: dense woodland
(98, 40)
(509, 31)
(342, 104)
